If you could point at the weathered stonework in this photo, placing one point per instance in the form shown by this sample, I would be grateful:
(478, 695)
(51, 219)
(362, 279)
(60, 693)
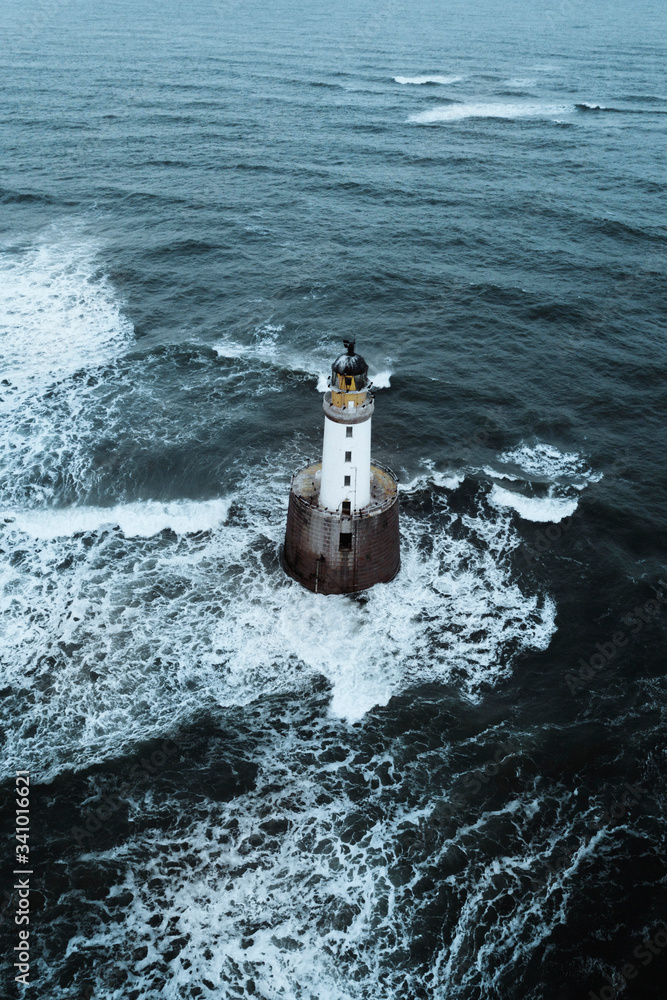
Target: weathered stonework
(368, 552)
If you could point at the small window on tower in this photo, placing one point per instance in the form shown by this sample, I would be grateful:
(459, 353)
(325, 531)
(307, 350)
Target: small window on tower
(348, 383)
(348, 456)
(345, 540)
(348, 432)
(347, 507)
(347, 481)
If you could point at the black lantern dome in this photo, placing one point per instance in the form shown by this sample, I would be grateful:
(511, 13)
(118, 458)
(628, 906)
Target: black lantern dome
(351, 366)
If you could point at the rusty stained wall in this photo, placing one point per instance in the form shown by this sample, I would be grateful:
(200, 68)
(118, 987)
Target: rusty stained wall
(374, 555)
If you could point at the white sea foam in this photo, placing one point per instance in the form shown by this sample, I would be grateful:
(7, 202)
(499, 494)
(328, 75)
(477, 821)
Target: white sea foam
(308, 893)
(382, 379)
(57, 312)
(211, 618)
(549, 508)
(60, 318)
(111, 637)
(267, 345)
(446, 480)
(540, 465)
(520, 82)
(495, 474)
(545, 462)
(420, 80)
(540, 873)
(136, 520)
(401, 626)
(458, 112)
(264, 344)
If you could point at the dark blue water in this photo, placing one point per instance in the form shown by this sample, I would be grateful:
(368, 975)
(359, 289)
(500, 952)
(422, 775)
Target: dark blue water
(452, 787)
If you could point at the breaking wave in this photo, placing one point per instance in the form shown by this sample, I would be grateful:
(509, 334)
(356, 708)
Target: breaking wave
(547, 508)
(421, 80)
(549, 481)
(135, 520)
(58, 312)
(122, 621)
(114, 635)
(459, 112)
(545, 462)
(266, 345)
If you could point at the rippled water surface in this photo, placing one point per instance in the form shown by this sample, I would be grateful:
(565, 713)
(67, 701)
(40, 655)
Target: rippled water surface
(451, 787)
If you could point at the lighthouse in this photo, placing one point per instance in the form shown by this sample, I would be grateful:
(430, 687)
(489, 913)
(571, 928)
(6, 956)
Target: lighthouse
(342, 522)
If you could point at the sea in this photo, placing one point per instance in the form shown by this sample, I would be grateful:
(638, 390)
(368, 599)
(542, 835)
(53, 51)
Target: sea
(449, 787)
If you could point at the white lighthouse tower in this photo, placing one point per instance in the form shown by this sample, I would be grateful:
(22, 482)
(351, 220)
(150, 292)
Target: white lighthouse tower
(346, 454)
(342, 532)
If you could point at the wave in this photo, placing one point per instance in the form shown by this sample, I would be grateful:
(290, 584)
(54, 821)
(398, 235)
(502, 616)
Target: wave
(266, 345)
(82, 415)
(494, 474)
(58, 312)
(459, 112)
(334, 865)
(513, 92)
(123, 430)
(381, 380)
(420, 81)
(538, 466)
(645, 98)
(324, 83)
(135, 520)
(179, 623)
(9, 197)
(444, 480)
(520, 83)
(597, 107)
(532, 468)
(548, 508)
(600, 109)
(544, 462)
(60, 323)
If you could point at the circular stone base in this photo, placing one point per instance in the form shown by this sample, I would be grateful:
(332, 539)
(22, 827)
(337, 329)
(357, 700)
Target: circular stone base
(333, 553)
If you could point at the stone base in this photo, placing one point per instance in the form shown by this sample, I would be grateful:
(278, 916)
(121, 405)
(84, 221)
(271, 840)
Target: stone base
(332, 553)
